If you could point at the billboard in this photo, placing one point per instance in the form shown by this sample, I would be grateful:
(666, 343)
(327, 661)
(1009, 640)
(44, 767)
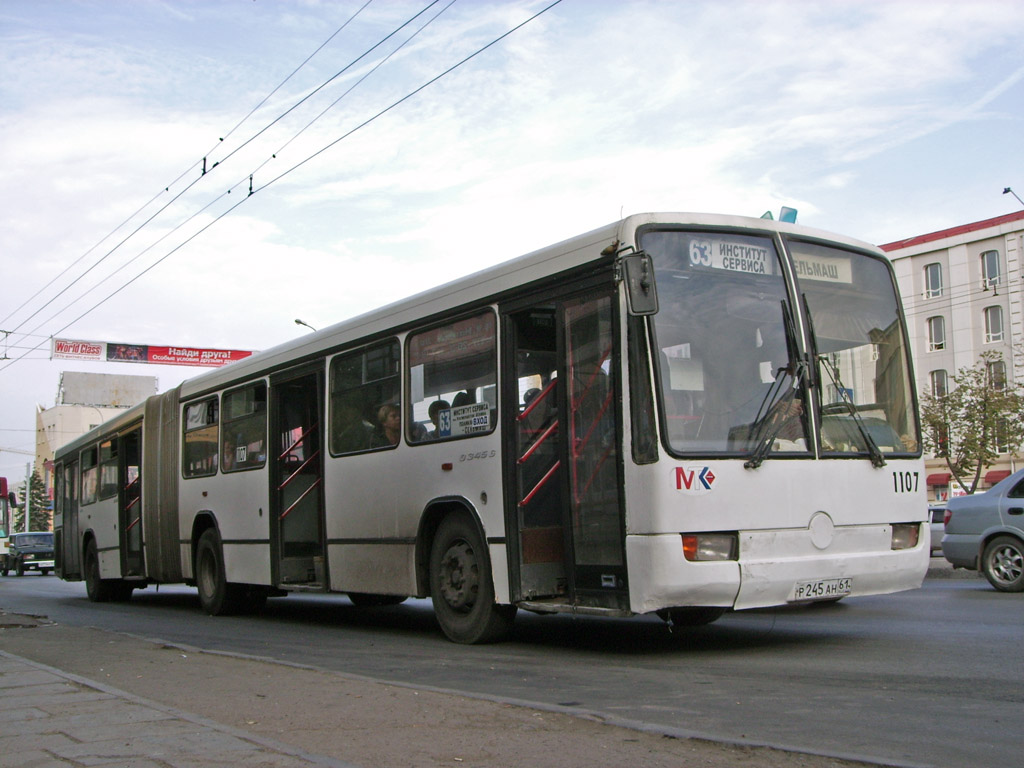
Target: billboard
(107, 351)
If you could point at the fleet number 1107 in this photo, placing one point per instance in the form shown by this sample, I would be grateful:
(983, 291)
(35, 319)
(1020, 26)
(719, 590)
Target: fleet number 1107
(905, 482)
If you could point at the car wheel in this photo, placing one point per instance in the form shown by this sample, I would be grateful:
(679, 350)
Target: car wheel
(19, 568)
(460, 585)
(1003, 564)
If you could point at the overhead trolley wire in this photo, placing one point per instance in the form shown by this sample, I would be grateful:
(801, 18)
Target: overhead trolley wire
(241, 183)
(167, 189)
(300, 164)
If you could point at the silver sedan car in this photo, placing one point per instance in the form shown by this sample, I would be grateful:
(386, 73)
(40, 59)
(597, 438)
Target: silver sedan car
(985, 531)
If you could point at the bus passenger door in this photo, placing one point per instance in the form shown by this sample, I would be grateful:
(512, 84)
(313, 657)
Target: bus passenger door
(130, 503)
(565, 514)
(70, 540)
(535, 457)
(589, 355)
(297, 533)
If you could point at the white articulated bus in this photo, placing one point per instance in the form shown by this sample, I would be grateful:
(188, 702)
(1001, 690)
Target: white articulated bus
(677, 414)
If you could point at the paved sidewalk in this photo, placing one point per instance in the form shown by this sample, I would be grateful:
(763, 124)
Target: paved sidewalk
(54, 718)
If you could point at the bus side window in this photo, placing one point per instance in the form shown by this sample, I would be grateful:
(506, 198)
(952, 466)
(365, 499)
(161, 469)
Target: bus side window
(90, 476)
(244, 431)
(453, 380)
(364, 386)
(199, 449)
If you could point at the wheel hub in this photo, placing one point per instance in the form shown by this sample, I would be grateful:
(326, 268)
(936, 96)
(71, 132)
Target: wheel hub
(1007, 564)
(460, 577)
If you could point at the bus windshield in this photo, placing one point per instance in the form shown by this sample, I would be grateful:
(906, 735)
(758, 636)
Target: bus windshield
(863, 366)
(724, 339)
(730, 377)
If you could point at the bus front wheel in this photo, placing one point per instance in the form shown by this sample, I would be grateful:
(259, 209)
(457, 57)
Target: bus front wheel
(461, 588)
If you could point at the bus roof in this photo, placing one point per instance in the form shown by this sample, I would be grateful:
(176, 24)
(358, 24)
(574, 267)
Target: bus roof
(476, 288)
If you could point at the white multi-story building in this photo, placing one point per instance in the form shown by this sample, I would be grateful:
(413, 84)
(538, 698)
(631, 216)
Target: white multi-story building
(961, 289)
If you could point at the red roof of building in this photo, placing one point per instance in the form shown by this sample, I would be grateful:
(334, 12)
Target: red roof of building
(943, 233)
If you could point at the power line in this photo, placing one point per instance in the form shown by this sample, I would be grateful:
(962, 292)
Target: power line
(165, 190)
(295, 167)
(241, 183)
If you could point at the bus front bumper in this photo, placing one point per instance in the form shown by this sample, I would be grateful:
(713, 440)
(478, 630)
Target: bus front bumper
(775, 567)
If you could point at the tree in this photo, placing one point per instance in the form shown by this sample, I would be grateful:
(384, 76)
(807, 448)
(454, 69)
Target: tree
(39, 508)
(979, 417)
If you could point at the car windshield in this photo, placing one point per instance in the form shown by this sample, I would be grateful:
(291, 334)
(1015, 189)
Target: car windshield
(34, 540)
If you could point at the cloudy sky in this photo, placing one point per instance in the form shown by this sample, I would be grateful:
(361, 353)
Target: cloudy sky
(880, 120)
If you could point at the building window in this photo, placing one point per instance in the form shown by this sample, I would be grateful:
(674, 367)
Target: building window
(993, 324)
(939, 383)
(997, 374)
(936, 334)
(932, 281)
(1001, 436)
(991, 270)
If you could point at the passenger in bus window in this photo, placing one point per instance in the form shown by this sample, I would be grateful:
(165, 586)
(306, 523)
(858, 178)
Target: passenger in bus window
(389, 428)
(352, 432)
(463, 398)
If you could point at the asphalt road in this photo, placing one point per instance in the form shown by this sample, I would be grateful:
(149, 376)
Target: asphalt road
(930, 677)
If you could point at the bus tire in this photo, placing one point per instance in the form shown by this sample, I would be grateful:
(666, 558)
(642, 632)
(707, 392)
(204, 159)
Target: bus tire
(461, 588)
(99, 590)
(216, 596)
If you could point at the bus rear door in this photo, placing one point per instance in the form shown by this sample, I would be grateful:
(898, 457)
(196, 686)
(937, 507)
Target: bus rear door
(297, 530)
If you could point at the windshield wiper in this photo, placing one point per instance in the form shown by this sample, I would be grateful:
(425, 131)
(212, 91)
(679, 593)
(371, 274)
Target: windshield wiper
(874, 452)
(768, 427)
(773, 413)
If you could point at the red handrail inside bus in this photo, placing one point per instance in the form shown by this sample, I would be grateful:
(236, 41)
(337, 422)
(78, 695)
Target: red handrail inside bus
(536, 443)
(540, 484)
(298, 440)
(303, 495)
(297, 471)
(536, 401)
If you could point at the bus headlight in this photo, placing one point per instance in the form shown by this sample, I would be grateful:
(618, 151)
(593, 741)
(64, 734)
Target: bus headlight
(702, 547)
(905, 535)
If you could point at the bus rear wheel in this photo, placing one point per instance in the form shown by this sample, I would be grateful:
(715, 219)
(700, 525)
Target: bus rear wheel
(214, 593)
(98, 590)
(461, 588)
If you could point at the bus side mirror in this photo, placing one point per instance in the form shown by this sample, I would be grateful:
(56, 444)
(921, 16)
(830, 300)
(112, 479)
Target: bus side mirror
(641, 292)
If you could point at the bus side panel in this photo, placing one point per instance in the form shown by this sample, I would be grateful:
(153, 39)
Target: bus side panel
(374, 502)
(240, 503)
(160, 488)
(371, 545)
(100, 518)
